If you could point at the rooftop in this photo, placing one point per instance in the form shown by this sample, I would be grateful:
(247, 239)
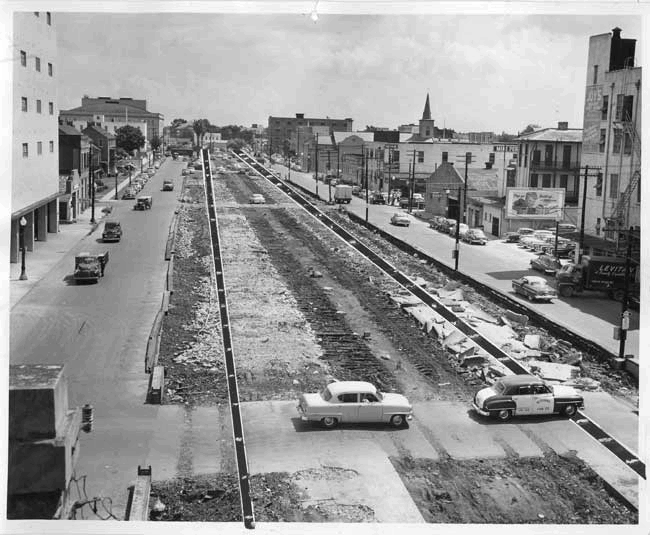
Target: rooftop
(569, 135)
(114, 108)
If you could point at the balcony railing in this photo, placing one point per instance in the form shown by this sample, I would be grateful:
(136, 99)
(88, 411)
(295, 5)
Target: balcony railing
(554, 166)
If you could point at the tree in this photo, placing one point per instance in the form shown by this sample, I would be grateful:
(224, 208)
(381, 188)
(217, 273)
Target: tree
(178, 122)
(156, 142)
(236, 144)
(504, 138)
(529, 129)
(129, 138)
(200, 127)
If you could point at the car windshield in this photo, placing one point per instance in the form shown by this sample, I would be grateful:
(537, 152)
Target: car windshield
(111, 226)
(326, 394)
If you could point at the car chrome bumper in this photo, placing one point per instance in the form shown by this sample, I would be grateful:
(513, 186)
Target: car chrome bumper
(480, 411)
(302, 414)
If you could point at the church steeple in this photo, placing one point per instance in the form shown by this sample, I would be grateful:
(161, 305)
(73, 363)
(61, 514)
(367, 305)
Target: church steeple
(426, 115)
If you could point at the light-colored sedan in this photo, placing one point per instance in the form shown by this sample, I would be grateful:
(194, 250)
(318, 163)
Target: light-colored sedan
(400, 219)
(257, 198)
(354, 402)
(534, 288)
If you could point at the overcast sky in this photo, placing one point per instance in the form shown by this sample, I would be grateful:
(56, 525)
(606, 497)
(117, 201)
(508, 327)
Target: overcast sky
(494, 73)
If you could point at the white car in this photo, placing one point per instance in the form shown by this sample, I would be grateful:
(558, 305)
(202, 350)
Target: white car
(354, 402)
(257, 198)
(399, 219)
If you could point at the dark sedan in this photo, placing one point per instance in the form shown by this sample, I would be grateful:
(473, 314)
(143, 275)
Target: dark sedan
(546, 264)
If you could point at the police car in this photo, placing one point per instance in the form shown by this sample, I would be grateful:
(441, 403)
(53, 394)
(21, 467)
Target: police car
(523, 395)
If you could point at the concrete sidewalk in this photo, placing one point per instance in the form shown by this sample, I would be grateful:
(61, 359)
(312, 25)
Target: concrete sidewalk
(47, 254)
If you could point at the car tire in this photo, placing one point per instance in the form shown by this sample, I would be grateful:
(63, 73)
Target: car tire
(398, 420)
(569, 410)
(566, 290)
(503, 415)
(329, 422)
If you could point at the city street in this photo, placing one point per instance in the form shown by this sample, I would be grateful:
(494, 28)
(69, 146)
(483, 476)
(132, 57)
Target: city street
(591, 315)
(99, 331)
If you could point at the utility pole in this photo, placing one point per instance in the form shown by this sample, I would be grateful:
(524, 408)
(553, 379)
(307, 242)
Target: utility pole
(457, 247)
(365, 165)
(581, 243)
(468, 158)
(92, 187)
(625, 313)
(316, 165)
(412, 181)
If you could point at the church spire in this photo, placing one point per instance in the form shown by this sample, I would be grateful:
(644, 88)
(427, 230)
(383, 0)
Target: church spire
(426, 115)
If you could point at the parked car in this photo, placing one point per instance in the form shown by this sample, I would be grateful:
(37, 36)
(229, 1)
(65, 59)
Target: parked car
(89, 267)
(475, 235)
(354, 402)
(461, 231)
(437, 221)
(356, 190)
(565, 248)
(534, 288)
(545, 263)
(524, 395)
(377, 198)
(129, 193)
(446, 224)
(514, 237)
(112, 231)
(399, 219)
(257, 198)
(168, 185)
(537, 237)
(143, 203)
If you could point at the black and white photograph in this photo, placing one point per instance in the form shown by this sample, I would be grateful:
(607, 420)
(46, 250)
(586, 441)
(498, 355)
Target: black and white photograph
(324, 267)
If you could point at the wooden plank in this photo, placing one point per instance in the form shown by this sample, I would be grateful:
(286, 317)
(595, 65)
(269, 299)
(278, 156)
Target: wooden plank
(138, 503)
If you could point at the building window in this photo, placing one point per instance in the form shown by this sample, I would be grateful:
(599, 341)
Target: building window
(619, 107)
(25, 150)
(546, 181)
(420, 156)
(616, 148)
(37, 13)
(48, 17)
(563, 181)
(427, 133)
(38, 106)
(50, 69)
(51, 146)
(39, 147)
(599, 185)
(595, 74)
(23, 103)
(627, 148)
(535, 157)
(51, 108)
(533, 180)
(605, 108)
(613, 186)
(23, 58)
(526, 156)
(492, 157)
(445, 157)
(548, 154)
(598, 226)
(603, 136)
(395, 156)
(38, 64)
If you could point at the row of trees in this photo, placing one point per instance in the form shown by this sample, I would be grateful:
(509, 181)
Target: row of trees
(237, 135)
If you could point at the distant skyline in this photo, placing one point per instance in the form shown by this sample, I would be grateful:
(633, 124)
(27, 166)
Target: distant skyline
(483, 73)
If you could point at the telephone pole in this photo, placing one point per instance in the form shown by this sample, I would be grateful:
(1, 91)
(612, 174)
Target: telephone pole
(581, 243)
(365, 168)
(316, 165)
(625, 313)
(412, 181)
(92, 187)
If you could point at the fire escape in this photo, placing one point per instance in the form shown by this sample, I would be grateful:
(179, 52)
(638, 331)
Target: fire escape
(618, 222)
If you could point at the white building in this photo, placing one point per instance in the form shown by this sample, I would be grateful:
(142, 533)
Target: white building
(113, 125)
(35, 135)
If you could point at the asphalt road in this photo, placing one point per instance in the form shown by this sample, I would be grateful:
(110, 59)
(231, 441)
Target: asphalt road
(99, 332)
(591, 315)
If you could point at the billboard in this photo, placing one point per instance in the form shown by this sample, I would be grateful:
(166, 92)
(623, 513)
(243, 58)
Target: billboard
(533, 203)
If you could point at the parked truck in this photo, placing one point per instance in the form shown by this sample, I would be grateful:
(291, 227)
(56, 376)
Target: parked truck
(599, 273)
(343, 194)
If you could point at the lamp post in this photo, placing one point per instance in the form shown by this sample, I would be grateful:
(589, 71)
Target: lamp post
(23, 224)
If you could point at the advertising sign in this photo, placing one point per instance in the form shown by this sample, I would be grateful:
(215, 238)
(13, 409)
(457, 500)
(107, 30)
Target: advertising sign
(533, 203)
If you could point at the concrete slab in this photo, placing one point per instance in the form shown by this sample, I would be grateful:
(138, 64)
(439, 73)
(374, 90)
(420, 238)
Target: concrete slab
(619, 418)
(282, 443)
(207, 434)
(514, 438)
(165, 444)
(459, 435)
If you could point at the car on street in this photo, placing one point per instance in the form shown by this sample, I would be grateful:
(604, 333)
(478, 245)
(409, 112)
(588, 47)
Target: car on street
(461, 231)
(475, 235)
(399, 219)
(436, 221)
(565, 248)
(143, 203)
(112, 231)
(129, 193)
(168, 185)
(257, 198)
(526, 395)
(515, 237)
(354, 402)
(534, 288)
(537, 237)
(546, 264)
(377, 198)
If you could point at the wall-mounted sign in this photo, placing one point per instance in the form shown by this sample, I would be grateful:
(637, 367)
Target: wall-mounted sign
(533, 203)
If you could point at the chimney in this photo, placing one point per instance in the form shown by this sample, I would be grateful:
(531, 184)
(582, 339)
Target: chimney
(562, 125)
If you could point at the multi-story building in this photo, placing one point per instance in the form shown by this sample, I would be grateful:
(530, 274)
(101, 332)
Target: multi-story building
(612, 141)
(74, 166)
(550, 158)
(282, 130)
(111, 126)
(35, 173)
(121, 110)
(105, 141)
(481, 137)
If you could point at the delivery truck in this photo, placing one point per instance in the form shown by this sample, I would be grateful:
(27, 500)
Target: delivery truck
(597, 273)
(343, 194)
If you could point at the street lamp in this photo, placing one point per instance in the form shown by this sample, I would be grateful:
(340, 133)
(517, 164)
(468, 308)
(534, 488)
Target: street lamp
(23, 223)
